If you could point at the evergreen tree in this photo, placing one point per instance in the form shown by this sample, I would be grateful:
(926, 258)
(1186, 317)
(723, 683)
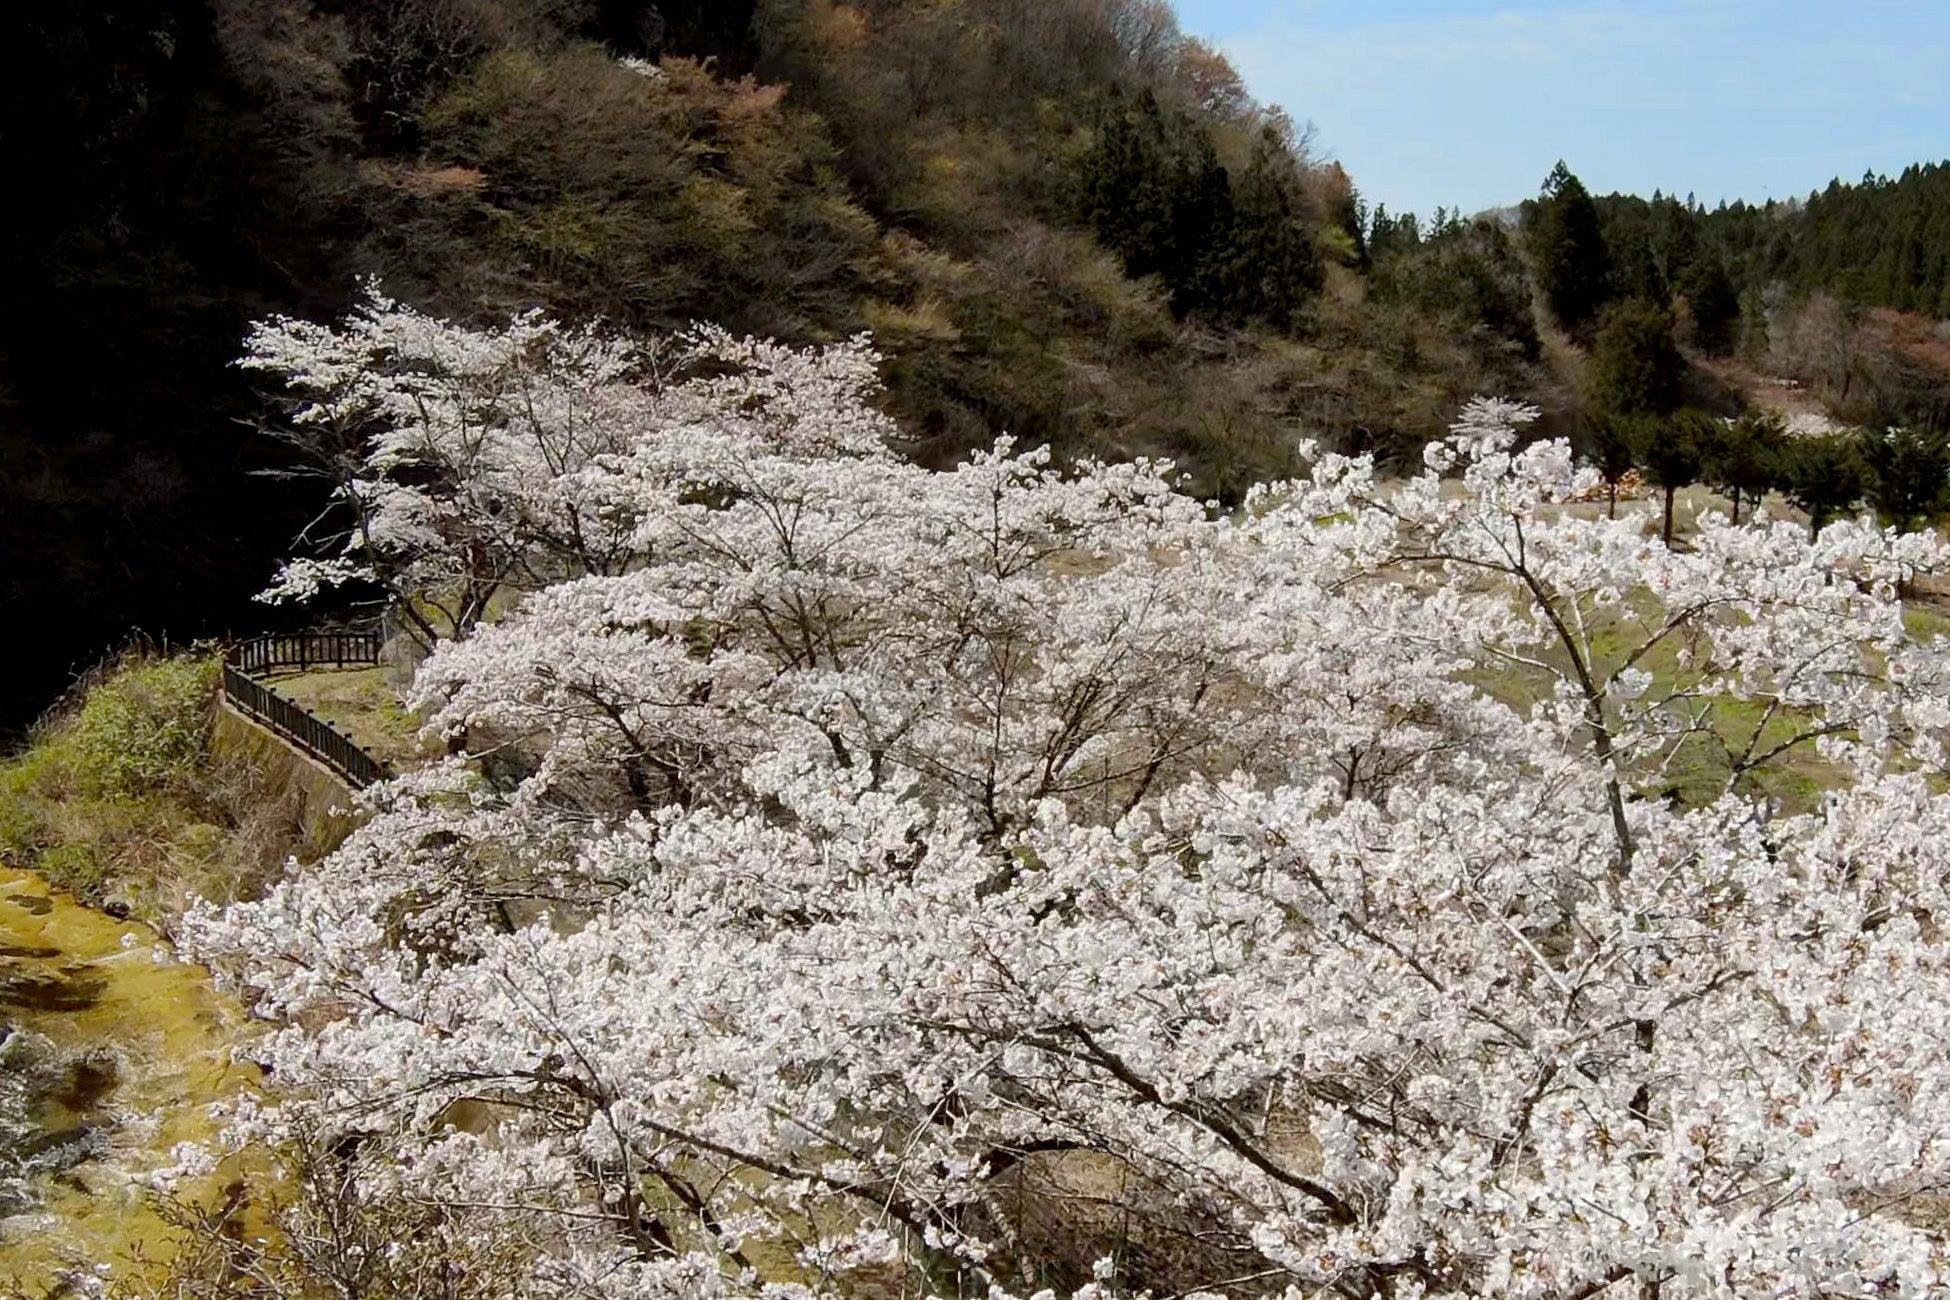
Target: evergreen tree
(1152, 189)
(1470, 277)
(1636, 367)
(1271, 263)
(1389, 234)
(1635, 268)
(1671, 452)
(1908, 476)
(1675, 237)
(1742, 458)
(1636, 378)
(1823, 475)
(1610, 448)
(1753, 324)
(1715, 305)
(1567, 246)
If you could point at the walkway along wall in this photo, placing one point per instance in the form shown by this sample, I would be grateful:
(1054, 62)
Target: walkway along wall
(248, 693)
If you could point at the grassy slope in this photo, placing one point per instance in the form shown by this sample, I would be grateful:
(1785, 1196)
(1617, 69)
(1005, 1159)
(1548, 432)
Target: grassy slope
(122, 800)
(1695, 769)
(360, 703)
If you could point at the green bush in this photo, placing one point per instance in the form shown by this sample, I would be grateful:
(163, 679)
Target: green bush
(107, 788)
(1823, 475)
(144, 731)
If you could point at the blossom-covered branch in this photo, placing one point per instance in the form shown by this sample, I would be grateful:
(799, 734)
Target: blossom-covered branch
(1397, 889)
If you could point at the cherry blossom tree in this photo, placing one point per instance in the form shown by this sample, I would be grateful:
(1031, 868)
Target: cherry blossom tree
(467, 465)
(1395, 889)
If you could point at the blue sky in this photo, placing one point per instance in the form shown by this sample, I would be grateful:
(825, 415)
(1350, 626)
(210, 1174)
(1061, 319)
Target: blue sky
(1469, 103)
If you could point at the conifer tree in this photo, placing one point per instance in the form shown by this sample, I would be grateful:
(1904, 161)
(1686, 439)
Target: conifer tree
(1568, 247)
(1229, 249)
(1636, 367)
(1753, 323)
(1152, 188)
(1611, 450)
(1469, 277)
(1823, 475)
(1742, 459)
(1636, 373)
(1672, 452)
(1635, 267)
(1272, 261)
(1908, 479)
(1715, 306)
(1675, 236)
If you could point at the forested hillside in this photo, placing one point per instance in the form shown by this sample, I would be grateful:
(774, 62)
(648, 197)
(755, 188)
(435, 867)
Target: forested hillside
(1842, 295)
(1063, 220)
(1880, 243)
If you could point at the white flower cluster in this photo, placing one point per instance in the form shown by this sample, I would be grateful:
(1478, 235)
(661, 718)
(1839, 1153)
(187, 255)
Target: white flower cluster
(1811, 424)
(1409, 892)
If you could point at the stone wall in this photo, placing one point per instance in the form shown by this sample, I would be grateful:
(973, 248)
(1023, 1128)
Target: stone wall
(320, 803)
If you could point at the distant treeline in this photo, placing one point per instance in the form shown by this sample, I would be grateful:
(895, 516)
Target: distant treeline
(1878, 243)
(1842, 295)
(1881, 242)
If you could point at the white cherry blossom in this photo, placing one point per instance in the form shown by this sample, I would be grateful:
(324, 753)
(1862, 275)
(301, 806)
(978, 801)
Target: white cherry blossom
(850, 840)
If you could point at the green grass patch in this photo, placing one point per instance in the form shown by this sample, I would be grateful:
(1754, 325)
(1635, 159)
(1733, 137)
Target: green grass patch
(119, 799)
(361, 704)
(1925, 622)
(112, 784)
(1693, 769)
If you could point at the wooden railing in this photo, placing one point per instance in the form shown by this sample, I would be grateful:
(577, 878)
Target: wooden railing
(307, 650)
(293, 721)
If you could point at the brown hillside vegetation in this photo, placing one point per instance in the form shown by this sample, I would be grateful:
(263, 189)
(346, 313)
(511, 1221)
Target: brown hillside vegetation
(1846, 364)
(1060, 219)
(916, 170)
